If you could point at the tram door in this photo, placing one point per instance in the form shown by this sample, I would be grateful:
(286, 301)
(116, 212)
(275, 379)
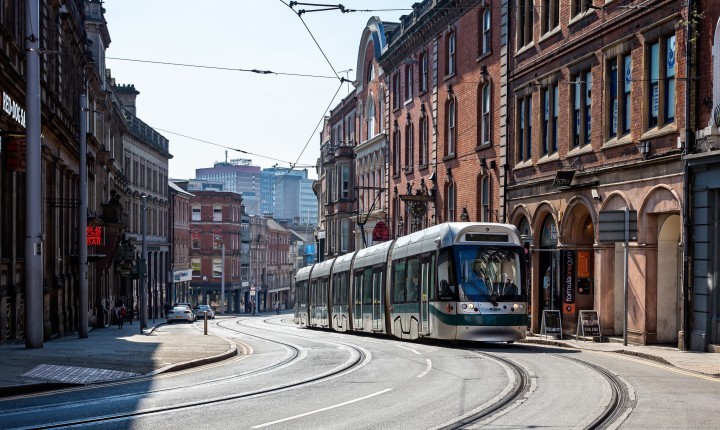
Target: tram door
(426, 284)
(377, 299)
(357, 301)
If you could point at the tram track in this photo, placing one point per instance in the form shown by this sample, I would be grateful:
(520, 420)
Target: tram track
(621, 399)
(357, 358)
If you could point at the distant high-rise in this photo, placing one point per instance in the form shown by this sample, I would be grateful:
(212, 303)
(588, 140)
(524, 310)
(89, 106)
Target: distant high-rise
(237, 176)
(288, 195)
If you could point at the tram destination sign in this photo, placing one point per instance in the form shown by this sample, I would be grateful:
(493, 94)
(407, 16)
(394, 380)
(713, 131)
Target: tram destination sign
(612, 226)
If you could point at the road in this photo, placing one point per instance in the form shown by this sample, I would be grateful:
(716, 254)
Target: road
(290, 378)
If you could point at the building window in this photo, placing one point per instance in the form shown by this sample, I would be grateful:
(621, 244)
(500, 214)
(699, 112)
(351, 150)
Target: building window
(579, 7)
(345, 235)
(451, 129)
(549, 15)
(345, 182)
(550, 116)
(217, 267)
(195, 242)
(485, 117)
(484, 214)
(217, 241)
(408, 82)
(619, 71)
(196, 213)
(485, 35)
(451, 53)
(525, 22)
(396, 91)
(409, 145)
(661, 82)
(370, 72)
(196, 266)
(217, 213)
(450, 208)
(396, 152)
(524, 128)
(423, 78)
(424, 141)
(370, 118)
(381, 109)
(581, 87)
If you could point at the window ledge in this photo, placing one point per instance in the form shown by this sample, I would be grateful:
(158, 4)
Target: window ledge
(614, 143)
(527, 47)
(483, 146)
(549, 158)
(449, 157)
(449, 76)
(422, 92)
(580, 16)
(659, 131)
(584, 149)
(407, 169)
(550, 34)
(396, 175)
(408, 101)
(422, 166)
(483, 56)
(523, 165)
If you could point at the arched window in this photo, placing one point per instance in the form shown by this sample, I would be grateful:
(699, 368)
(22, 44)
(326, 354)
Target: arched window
(370, 72)
(485, 35)
(485, 117)
(381, 110)
(370, 118)
(451, 127)
(451, 42)
(409, 145)
(396, 152)
(450, 202)
(424, 141)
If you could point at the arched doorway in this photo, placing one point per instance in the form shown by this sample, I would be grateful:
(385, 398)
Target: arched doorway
(548, 267)
(668, 282)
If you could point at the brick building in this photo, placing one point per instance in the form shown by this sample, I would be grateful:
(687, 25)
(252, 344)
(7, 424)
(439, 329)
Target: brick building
(215, 229)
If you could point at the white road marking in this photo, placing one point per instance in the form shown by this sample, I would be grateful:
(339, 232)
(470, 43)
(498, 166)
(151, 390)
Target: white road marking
(427, 368)
(409, 349)
(323, 409)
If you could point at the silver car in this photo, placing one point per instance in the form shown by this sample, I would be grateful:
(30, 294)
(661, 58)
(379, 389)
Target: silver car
(201, 310)
(180, 313)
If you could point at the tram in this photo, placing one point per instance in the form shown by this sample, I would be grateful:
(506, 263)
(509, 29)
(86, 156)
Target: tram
(455, 281)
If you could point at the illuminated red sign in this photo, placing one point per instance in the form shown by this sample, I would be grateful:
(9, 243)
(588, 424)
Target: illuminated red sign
(95, 235)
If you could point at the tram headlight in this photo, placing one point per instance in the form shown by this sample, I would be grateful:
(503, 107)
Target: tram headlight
(470, 306)
(464, 306)
(517, 306)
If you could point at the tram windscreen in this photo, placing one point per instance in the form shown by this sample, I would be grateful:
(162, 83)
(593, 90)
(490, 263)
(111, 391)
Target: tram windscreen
(490, 273)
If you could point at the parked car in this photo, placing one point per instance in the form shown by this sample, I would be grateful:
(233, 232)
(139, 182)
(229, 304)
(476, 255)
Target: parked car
(180, 313)
(201, 310)
(189, 306)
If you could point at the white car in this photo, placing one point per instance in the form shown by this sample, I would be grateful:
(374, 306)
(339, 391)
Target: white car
(201, 310)
(180, 313)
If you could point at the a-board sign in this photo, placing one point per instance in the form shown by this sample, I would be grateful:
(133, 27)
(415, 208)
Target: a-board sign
(551, 323)
(588, 324)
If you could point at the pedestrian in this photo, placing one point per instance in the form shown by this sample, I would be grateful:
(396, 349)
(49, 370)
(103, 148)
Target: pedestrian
(277, 308)
(120, 313)
(167, 309)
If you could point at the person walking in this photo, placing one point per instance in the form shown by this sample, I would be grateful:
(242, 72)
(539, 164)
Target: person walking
(120, 313)
(277, 308)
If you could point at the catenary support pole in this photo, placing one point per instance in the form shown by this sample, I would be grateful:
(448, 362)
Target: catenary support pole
(143, 267)
(222, 280)
(34, 319)
(625, 275)
(82, 218)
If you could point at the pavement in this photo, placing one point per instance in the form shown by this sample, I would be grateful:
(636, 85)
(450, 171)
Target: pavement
(107, 354)
(111, 354)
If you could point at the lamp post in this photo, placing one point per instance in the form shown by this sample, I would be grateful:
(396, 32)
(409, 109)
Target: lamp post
(143, 266)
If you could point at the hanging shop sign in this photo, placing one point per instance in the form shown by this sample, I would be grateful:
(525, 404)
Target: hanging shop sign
(95, 235)
(182, 275)
(563, 178)
(380, 232)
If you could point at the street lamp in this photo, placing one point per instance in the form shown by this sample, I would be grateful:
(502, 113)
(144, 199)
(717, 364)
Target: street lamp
(143, 265)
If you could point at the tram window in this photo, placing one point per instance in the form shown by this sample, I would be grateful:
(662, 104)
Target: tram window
(412, 283)
(398, 284)
(367, 286)
(447, 287)
(358, 287)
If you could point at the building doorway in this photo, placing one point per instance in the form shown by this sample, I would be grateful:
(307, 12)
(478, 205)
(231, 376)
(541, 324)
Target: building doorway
(668, 280)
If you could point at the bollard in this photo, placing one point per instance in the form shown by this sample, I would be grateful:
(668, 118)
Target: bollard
(206, 323)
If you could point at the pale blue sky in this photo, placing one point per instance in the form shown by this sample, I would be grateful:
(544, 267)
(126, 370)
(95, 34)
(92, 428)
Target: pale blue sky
(264, 114)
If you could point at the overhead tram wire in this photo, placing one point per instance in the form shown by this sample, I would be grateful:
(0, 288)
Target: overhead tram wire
(230, 69)
(292, 166)
(242, 151)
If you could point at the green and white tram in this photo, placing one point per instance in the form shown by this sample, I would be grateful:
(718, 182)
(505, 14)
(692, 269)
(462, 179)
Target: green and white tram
(459, 281)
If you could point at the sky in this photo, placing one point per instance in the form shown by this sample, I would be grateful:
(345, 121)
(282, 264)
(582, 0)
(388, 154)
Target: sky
(203, 109)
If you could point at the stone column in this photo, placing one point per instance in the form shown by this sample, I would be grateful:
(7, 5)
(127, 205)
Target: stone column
(604, 288)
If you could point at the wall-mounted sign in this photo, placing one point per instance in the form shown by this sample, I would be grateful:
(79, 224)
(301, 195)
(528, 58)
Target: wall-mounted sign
(568, 278)
(14, 149)
(13, 109)
(182, 275)
(95, 235)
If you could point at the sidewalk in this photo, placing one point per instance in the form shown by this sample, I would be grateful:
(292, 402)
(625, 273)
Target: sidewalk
(107, 354)
(706, 363)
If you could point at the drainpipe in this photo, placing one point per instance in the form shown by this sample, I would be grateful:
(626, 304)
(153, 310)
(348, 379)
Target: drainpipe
(687, 189)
